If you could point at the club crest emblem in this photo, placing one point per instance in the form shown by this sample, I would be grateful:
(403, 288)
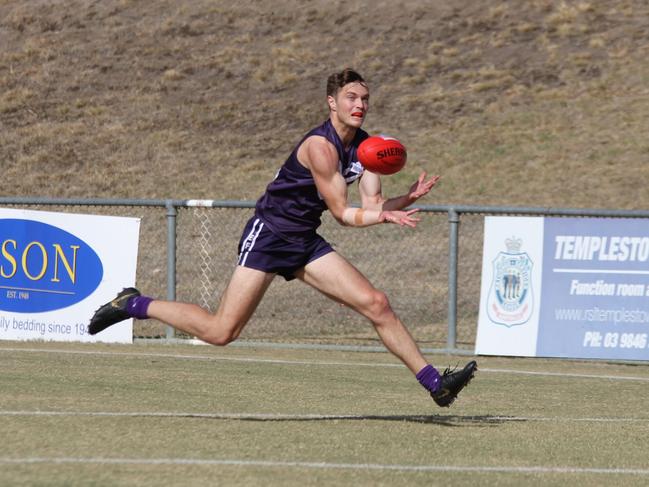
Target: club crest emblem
(353, 171)
(511, 301)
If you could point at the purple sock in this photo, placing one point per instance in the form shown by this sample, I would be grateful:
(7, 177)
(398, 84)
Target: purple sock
(137, 307)
(429, 378)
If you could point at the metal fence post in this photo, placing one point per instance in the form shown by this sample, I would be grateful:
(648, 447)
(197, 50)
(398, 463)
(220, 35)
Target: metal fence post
(171, 258)
(454, 223)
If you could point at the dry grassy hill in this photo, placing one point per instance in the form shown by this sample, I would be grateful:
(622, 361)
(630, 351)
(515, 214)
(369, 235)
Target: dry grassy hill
(524, 102)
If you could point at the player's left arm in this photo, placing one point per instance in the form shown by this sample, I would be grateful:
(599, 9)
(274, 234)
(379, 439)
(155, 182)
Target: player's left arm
(372, 197)
(320, 157)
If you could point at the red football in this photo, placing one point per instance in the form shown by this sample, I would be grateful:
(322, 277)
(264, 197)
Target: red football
(382, 154)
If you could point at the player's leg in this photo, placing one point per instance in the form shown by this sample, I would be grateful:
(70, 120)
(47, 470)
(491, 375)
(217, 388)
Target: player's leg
(335, 277)
(239, 301)
(245, 290)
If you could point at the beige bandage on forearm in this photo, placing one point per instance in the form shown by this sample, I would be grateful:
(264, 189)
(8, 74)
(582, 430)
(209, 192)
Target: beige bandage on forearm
(358, 217)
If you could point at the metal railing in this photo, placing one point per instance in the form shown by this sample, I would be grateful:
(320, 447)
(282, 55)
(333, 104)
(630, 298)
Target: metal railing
(404, 264)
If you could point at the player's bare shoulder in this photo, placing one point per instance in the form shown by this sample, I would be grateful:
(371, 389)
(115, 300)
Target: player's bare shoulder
(318, 154)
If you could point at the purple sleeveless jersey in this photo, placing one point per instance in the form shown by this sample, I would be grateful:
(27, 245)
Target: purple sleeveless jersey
(291, 207)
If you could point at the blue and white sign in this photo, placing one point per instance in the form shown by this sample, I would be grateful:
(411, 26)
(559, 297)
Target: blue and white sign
(589, 285)
(57, 268)
(597, 294)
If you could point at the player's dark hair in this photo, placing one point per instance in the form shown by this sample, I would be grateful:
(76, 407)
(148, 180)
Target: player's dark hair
(337, 80)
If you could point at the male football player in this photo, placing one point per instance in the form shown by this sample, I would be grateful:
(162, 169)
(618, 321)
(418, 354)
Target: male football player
(281, 238)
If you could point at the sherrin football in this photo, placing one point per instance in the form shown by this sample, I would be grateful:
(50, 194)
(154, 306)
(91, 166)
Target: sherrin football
(382, 154)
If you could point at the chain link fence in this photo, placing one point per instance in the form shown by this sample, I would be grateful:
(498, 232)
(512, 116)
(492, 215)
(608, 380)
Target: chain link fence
(410, 265)
(431, 274)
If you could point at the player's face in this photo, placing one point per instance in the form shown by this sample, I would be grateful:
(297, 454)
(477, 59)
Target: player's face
(350, 104)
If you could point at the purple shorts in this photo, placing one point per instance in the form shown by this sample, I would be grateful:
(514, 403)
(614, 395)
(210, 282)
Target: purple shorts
(261, 249)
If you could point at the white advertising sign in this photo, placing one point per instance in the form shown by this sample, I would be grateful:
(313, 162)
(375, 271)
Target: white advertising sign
(56, 269)
(511, 286)
(565, 287)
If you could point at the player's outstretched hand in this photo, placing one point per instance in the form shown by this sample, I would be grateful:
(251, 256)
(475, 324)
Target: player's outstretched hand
(422, 186)
(402, 218)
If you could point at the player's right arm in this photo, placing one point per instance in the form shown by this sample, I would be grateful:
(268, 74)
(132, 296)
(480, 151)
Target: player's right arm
(320, 156)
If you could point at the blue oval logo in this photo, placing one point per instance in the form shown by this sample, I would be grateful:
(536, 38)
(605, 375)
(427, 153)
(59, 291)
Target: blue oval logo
(43, 268)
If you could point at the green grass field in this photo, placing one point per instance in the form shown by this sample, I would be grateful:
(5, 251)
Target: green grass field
(151, 414)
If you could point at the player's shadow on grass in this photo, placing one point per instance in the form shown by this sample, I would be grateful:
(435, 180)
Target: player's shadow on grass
(438, 419)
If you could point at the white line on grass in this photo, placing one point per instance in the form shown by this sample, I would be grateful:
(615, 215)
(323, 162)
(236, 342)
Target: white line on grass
(306, 362)
(563, 374)
(323, 465)
(306, 417)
